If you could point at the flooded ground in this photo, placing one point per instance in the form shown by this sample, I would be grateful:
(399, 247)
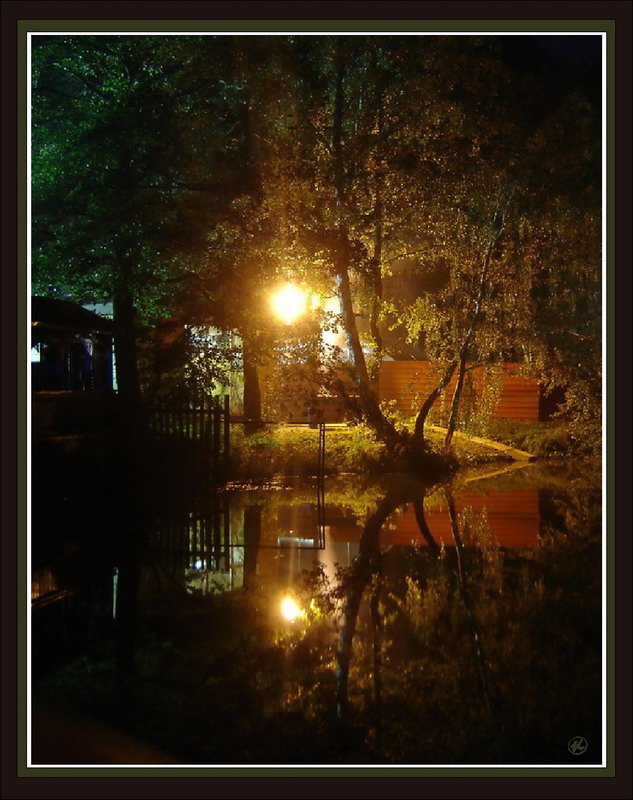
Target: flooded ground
(345, 623)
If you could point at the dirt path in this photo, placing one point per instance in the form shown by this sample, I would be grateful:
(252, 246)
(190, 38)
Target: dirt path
(507, 450)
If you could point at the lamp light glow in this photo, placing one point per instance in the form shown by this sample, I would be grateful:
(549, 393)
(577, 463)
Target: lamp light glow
(290, 610)
(289, 303)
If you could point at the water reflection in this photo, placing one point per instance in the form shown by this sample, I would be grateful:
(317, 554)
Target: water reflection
(235, 538)
(391, 623)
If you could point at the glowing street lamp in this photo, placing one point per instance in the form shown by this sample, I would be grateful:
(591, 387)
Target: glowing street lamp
(289, 303)
(290, 610)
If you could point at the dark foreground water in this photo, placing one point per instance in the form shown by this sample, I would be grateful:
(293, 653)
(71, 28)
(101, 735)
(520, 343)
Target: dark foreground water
(354, 623)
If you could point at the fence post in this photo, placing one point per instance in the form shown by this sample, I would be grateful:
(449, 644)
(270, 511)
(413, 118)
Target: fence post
(227, 430)
(207, 417)
(321, 459)
(321, 486)
(216, 436)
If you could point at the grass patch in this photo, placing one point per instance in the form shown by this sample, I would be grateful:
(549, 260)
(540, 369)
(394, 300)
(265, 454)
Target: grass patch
(552, 439)
(467, 452)
(292, 450)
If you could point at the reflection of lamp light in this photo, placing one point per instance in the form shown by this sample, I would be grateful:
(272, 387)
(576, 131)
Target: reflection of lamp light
(290, 610)
(289, 303)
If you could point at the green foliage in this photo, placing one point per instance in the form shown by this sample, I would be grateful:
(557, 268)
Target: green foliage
(198, 172)
(478, 418)
(293, 450)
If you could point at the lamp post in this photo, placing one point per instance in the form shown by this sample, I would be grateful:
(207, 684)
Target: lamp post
(289, 304)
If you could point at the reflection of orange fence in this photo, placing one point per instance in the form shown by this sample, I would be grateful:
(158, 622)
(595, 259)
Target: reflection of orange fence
(410, 382)
(512, 519)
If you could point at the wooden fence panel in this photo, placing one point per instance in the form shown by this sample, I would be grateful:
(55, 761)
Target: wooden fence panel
(408, 383)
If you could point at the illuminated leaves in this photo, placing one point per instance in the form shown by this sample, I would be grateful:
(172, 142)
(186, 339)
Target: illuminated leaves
(213, 156)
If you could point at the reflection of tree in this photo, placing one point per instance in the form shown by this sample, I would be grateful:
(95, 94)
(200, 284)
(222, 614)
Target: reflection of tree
(469, 652)
(126, 629)
(365, 573)
(434, 639)
(367, 565)
(418, 506)
(483, 669)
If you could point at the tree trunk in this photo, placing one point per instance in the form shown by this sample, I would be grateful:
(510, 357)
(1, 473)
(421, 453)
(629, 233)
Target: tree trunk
(367, 399)
(252, 392)
(252, 538)
(457, 394)
(127, 376)
(418, 433)
(376, 277)
(374, 329)
(469, 337)
(133, 420)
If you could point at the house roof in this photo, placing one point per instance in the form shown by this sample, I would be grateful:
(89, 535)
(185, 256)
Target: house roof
(66, 315)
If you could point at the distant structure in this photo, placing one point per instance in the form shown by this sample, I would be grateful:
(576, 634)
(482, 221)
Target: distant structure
(72, 370)
(71, 347)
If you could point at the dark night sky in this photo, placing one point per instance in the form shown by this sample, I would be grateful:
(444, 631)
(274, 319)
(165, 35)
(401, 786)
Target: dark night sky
(578, 50)
(559, 58)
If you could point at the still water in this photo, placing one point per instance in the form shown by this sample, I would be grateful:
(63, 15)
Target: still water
(344, 623)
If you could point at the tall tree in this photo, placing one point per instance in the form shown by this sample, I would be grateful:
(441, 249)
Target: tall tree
(465, 180)
(198, 171)
(134, 156)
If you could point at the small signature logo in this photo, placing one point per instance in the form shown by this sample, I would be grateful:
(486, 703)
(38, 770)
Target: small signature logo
(578, 745)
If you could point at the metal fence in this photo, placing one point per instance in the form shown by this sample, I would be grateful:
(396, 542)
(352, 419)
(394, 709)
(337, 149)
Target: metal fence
(204, 422)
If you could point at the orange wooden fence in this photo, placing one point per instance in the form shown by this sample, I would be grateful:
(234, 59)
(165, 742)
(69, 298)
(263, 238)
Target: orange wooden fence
(408, 383)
